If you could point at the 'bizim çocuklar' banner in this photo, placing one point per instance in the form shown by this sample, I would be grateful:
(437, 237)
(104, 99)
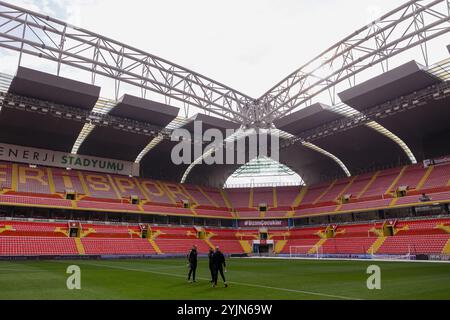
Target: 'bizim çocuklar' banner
(50, 158)
(262, 223)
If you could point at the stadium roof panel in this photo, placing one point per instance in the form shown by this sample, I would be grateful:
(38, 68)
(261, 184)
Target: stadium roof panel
(388, 86)
(311, 165)
(210, 122)
(424, 128)
(111, 143)
(44, 86)
(38, 130)
(362, 148)
(140, 109)
(307, 118)
(158, 164)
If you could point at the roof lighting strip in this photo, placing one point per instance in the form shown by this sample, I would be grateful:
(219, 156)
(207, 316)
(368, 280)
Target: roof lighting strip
(103, 106)
(441, 69)
(282, 134)
(376, 126)
(312, 146)
(5, 82)
(176, 123)
(330, 155)
(349, 111)
(237, 135)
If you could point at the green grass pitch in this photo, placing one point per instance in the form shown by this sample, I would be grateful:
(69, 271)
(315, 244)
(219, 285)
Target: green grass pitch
(248, 279)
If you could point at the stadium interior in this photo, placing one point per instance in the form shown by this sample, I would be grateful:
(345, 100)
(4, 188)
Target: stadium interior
(374, 187)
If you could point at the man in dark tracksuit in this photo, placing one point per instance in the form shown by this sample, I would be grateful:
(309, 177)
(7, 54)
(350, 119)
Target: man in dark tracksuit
(192, 258)
(211, 264)
(219, 265)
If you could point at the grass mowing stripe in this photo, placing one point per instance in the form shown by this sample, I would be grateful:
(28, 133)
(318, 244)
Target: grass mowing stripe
(232, 282)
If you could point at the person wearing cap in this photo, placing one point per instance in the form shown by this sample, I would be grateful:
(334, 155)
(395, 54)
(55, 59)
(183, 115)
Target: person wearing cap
(192, 259)
(219, 264)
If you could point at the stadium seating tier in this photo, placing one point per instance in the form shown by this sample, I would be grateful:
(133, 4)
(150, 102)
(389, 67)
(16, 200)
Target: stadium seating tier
(46, 187)
(426, 236)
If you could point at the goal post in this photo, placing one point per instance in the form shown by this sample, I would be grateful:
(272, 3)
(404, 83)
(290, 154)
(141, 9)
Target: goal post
(314, 252)
(404, 256)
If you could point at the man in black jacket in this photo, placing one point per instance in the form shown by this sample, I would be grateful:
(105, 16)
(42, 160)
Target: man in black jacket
(192, 258)
(218, 260)
(211, 264)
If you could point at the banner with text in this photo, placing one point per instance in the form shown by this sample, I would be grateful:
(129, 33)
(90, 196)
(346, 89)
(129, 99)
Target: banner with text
(58, 159)
(262, 223)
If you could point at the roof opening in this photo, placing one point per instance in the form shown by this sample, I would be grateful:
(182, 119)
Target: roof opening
(263, 172)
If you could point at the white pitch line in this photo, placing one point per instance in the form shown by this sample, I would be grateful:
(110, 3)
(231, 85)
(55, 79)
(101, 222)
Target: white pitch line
(233, 282)
(343, 259)
(22, 270)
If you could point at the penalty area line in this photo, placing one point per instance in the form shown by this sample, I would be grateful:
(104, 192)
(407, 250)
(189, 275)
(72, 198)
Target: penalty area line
(231, 282)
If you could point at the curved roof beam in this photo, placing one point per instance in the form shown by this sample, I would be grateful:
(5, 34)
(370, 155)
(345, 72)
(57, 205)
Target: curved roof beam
(103, 106)
(239, 134)
(348, 111)
(379, 128)
(410, 25)
(174, 124)
(194, 163)
(329, 155)
(312, 146)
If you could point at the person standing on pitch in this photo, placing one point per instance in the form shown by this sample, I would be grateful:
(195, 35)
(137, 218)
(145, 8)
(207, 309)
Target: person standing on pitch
(219, 265)
(211, 264)
(192, 259)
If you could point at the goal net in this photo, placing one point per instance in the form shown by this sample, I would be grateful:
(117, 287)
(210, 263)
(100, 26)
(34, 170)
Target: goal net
(314, 252)
(391, 256)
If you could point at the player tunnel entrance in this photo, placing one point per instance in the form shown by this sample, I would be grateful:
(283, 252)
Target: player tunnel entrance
(263, 246)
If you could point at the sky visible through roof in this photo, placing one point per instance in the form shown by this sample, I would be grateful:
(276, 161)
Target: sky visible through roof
(248, 45)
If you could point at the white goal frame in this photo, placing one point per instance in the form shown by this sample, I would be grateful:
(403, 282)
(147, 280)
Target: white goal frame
(392, 256)
(294, 252)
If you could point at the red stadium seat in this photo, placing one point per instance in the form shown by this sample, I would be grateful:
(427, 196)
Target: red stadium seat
(37, 246)
(111, 193)
(117, 246)
(47, 238)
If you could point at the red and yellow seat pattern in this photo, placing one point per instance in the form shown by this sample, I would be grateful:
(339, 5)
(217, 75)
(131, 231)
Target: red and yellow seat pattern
(19, 238)
(22, 185)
